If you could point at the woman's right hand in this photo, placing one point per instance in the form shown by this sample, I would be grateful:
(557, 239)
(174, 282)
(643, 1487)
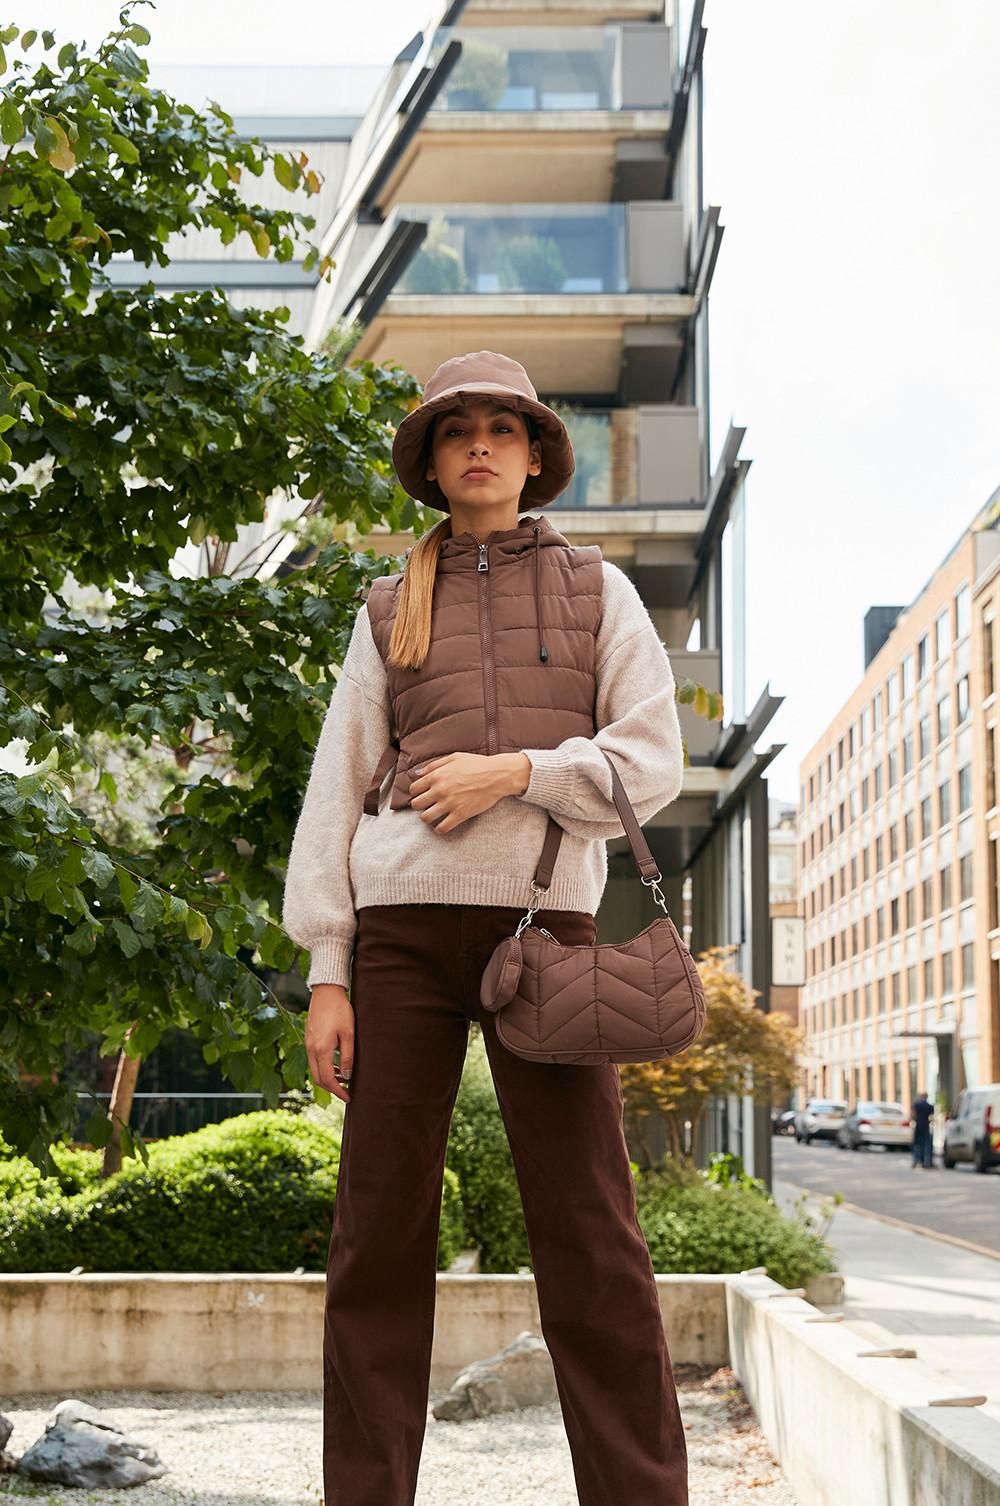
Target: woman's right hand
(330, 1024)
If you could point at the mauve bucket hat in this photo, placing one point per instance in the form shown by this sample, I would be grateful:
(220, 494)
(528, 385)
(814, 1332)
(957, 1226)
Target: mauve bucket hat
(482, 372)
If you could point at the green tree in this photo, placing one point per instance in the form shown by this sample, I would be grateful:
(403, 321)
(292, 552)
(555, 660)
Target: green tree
(133, 424)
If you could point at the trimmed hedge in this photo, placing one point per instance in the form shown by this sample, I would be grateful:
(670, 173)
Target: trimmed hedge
(254, 1193)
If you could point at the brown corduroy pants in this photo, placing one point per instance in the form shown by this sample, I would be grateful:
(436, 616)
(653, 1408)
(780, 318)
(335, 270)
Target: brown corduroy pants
(415, 987)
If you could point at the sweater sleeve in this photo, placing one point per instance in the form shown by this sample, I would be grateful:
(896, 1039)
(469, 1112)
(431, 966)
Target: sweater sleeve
(318, 907)
(637, 721)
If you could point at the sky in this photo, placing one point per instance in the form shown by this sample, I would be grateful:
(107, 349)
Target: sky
(854, 151)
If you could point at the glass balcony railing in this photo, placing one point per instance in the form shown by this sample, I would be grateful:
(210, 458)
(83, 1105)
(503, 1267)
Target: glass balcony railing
(629, 459)
(501, 248)
(591, 434)
(554, 68)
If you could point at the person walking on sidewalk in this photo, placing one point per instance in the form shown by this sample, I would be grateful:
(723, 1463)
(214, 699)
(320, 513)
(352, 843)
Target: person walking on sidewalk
(495, 675)
(922, 1113)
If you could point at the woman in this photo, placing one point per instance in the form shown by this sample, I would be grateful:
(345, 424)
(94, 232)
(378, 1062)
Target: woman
(498, 633)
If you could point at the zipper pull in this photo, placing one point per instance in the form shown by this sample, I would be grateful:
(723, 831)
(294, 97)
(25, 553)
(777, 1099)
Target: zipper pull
(484, 562)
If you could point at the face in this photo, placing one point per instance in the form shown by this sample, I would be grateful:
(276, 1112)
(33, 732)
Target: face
(482, 452)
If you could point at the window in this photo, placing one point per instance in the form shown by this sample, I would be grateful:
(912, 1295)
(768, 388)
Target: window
(877, 711)
(906, 675)
(989, 679)
(895, 990)
(964, 788)
(962, 604)
(925, 818)
(928, 977)
(924, 736)
(892, 694)
(909, 831)
(943, 718)
(968, 966)
(894, 922)
(880, 924)
(942, 635)
(911, 912)
(965, 876)
(944, 803)
(945, 882)
(907, 752)
(947, 980)
(991, 770)
(923, 656)
(911, 985)
(864, 793)
(962, 701)
(878, 854)
(877, 781)
(881, 996)
(892, 768)
(864, 865)
(864, 725)
(927, 895)
(893, 843)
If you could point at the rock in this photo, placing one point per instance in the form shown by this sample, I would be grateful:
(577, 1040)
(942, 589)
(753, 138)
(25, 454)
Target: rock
(83, 1446)
(521, 1375)
(8, 1463)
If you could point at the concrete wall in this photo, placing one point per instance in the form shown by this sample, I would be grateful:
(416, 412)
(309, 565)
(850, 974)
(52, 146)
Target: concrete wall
(216, 1333)
(848, 1428)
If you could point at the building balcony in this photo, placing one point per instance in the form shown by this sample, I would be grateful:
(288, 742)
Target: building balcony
(649, 456)
(595, 292)
(541, 113)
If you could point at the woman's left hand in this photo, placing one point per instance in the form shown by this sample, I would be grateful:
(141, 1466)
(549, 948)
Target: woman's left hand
(450, 789)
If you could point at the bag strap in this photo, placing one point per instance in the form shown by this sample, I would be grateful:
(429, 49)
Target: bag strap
(645, 862)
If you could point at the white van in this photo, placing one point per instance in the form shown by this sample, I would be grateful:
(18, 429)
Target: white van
(972, 1133)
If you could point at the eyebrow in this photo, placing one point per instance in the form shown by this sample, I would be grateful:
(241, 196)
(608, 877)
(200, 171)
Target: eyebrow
(493, 411)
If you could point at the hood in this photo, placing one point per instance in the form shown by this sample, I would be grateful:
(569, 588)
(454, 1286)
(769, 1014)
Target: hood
(506, 546)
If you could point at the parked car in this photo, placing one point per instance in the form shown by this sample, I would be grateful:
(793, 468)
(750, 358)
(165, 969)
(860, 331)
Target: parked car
(782, 1121)
(972, 1132)
(872, 1122)
(820, 1119)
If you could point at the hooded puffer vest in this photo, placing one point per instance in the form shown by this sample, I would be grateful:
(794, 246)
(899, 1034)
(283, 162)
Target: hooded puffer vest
(511, 662)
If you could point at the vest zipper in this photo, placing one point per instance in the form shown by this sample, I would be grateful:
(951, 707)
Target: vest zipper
(489, 665)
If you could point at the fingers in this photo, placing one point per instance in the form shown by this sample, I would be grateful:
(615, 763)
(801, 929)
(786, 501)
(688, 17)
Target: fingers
(322, 1068)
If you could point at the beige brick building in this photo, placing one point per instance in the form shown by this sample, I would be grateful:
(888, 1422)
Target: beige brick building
(898, 845)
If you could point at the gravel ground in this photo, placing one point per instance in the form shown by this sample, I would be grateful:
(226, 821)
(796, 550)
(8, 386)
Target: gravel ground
(263, 1449)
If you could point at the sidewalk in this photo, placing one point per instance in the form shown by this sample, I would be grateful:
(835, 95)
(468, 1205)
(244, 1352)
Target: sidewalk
(944, 1299)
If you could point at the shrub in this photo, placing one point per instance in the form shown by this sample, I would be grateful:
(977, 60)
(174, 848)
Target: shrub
(704, 1226)
(254, 1193)
(478, 1152)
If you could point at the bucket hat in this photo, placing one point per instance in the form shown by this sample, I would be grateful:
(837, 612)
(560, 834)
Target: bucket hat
(482, 372)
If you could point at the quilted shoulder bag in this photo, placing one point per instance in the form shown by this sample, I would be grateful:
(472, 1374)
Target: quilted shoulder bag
(629, 1001)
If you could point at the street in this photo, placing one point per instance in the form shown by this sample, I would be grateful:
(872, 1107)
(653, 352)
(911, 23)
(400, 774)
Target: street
(960, 1202)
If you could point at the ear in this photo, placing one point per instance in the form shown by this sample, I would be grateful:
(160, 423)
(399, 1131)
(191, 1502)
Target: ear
(535, 457)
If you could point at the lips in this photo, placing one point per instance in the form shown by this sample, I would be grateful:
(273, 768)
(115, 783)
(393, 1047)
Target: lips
(479, 470)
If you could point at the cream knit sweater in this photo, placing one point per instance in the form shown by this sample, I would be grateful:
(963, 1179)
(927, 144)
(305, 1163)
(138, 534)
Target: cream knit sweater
(342, 859)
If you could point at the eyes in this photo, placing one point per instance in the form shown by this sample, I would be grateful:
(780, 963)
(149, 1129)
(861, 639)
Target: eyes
(457, 429)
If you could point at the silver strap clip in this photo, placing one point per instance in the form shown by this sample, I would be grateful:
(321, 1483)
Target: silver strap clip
(654, 884)
(537, 895)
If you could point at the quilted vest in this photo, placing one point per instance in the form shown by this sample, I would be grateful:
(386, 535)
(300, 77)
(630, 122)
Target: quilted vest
(511, 662)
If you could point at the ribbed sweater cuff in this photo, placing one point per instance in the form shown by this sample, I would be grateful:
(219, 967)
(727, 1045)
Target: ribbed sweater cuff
(330, 962)
(552, 782)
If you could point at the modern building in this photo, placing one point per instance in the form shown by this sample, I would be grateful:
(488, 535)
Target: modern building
(899, 831)
(528, 177)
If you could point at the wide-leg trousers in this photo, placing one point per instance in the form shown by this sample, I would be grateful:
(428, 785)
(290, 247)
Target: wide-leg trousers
(414, 990)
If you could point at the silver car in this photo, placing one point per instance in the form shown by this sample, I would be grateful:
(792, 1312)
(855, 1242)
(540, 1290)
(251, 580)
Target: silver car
(820, 1119)
(874, 1122)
